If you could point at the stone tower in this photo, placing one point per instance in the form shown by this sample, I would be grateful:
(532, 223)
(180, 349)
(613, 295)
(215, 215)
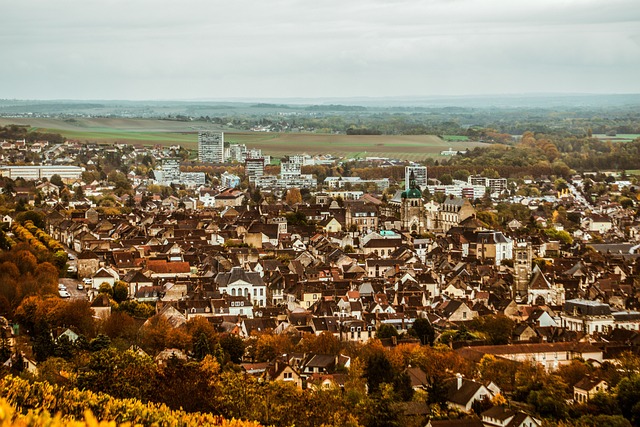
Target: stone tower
(523, 267)
(412, 208)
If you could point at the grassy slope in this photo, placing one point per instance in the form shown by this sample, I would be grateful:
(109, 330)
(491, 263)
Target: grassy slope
(140, 131)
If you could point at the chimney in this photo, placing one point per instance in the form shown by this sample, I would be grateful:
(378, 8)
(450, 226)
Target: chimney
(459, 381)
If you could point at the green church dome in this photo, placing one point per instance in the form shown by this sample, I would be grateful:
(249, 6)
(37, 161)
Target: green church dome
(413, 192)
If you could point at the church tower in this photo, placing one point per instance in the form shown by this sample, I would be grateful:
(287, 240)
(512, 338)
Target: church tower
(522, 265)
(412, 208)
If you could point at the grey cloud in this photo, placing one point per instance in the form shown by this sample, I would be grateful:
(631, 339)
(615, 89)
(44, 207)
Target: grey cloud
(195, 49)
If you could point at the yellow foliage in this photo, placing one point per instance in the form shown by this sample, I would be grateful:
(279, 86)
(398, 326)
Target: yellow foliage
(498, 400)
(25, 404)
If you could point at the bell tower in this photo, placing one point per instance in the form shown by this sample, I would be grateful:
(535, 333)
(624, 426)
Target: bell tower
(522, 265)
(412, 208)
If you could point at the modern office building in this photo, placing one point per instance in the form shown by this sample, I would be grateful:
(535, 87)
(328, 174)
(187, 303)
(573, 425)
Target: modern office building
(211, 147)
(67, 173)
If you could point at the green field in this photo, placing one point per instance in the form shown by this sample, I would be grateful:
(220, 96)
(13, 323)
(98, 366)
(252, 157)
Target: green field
(621, 137)
(455, 137)
(165, 132)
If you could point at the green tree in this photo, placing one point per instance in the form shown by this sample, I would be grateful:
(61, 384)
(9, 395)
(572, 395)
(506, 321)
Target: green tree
(602, 420)
(57, 181)
(628, 395)
(120, 291)
(377, 370)
(120, 374)
(119, 180)
(99, 343)
(446, 179)
(106, 289)
(38, 218)
(550, 399)
(233, 347)
(382, 410)
(201, 347)
(461, 175)
(423, 330)
(386, 331)
(498, 328)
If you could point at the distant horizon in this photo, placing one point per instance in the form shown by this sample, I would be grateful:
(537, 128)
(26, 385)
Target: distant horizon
(355, 97)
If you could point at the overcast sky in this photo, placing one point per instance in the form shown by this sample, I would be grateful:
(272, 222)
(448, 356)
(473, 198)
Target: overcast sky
(189, 49)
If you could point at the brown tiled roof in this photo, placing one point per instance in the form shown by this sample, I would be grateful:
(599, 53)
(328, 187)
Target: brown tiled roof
(163, 267)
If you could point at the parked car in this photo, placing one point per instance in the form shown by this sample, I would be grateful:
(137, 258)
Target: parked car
(61, 287)
(64, 293)
(87, 281)
(80, 286)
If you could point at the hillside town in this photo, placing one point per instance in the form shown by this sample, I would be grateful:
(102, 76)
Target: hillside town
(259, 247)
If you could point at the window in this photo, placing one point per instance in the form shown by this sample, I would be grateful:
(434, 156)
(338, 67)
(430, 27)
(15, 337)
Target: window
(464, 314)
(261, 292)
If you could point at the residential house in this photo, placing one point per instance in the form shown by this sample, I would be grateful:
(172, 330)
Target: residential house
(104, 275)
(282, 371)
(453, 211)
(238, 282)
(587, 387)
(500, 416)
(462, 392)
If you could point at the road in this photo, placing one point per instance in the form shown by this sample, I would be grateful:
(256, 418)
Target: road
(579, 197)
(72, 287)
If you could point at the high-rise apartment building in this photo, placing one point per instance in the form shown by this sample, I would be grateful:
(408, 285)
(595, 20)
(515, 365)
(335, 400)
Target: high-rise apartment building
(211, 147)
(254, 168)
(171, 170)
(420, 175)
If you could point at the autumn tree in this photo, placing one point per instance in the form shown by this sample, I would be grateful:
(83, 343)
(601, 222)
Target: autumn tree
(120, 374)
(497, 328)
(120, 325)
(501, 371)
(268, 346)
(293, 197)
(325, 343)
(157, 334)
